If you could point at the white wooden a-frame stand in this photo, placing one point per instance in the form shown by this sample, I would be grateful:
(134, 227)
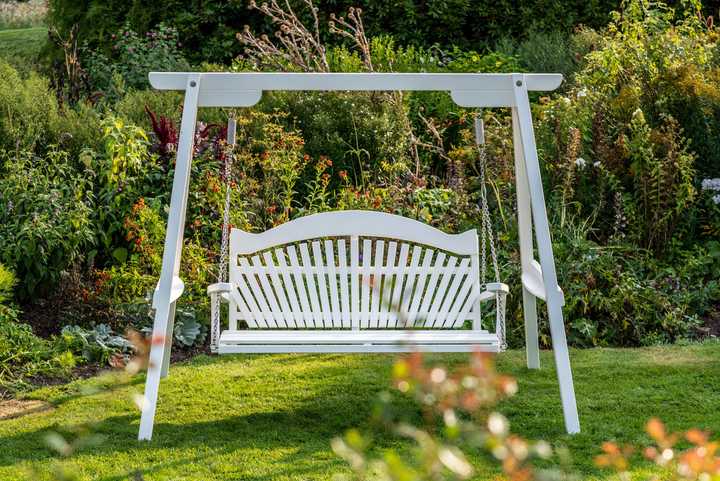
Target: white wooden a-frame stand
(467, 90)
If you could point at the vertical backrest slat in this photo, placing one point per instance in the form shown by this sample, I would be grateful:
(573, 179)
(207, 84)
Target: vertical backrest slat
(335, 315)
(419, 293)
(458, 313)
(297, 274)
(344, 272)
(409, 290)
(255, 316)
(355, 281)
(460, 274)
(377, 280)
(386, 293)
(396, 300)
(238, 308)
(365, 286)
(435, 269)
(274, 312)
(311, 286)
(321, 269)
(272, 269)
(296, 319)
(255, 291)
(439, 296)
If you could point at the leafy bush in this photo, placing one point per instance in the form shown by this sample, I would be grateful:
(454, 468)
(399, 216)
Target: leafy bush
(29, 110)
(540, 51)
(22, 354)
(7, 283)
(96, 345)
(133, 56)
(44, 218)
(208, 28)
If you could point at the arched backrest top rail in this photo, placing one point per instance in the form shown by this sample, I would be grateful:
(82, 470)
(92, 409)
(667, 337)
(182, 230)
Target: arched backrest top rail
(244, 89)
(349, 223)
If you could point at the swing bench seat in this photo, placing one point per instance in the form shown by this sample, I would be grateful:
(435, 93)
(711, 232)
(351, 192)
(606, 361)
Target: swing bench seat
(354, 281)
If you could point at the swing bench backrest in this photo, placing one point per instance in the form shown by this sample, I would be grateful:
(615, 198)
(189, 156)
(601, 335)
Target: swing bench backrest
(347, 270)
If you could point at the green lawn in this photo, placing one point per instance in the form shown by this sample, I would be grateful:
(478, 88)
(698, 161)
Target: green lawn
(269, 417)
(21, 47)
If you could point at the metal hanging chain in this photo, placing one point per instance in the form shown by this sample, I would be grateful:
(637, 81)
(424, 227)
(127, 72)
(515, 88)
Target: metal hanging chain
(227, 173)
(487, 239)
(225, 242)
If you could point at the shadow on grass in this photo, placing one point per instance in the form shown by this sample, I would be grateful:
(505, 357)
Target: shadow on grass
(617, 392)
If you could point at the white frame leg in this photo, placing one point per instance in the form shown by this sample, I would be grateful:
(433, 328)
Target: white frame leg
(547, 262)
(168, 290)
(525, 234)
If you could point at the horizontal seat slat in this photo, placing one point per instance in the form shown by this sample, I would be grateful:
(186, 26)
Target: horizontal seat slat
(353, 348)
(338, 337)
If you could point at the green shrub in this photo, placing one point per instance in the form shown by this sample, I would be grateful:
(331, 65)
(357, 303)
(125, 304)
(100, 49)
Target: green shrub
(540, 51)
(208, 28)
(7, 283)
(28, 110)
(23, 355)
(95, 345)
(44, 218)
(133, 56)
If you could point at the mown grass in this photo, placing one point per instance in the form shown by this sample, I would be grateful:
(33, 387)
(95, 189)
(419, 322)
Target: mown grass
(21, 47)
(271, 417)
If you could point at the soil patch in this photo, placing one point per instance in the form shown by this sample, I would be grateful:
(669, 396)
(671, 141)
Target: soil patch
(14, 408)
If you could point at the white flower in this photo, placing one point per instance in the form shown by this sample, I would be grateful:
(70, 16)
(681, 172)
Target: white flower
(711, 184)
(716, 199)
(596, 164)
(582, 93)
(580, 162)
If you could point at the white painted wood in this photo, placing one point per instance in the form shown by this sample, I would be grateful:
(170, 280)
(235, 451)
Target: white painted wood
(385, 336)
(344, 294)
(398, 286)
(458, 278)
(245, 89)
(275, 313)
(409, 293)
(439, 261)
(172, 252)
(288, 317)
(544, 244)
(439, 297)
(467, 294)
(361, 223)
(333, 284)
(365, 348)
(300, 288)
(322, 285)
(365, 284)
(263, 309)
(297, 318)
(386, 294)
(257, 294)
(377, 282)
(420, 287)
(316, 317)
(525, 233)
(533, 281)
(355, 281)
(252, 81)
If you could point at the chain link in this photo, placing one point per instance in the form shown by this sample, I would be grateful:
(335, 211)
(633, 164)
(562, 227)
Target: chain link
(224, 246)
(487, 239)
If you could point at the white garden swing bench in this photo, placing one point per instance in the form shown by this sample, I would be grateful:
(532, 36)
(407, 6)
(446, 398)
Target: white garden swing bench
(362, 281)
